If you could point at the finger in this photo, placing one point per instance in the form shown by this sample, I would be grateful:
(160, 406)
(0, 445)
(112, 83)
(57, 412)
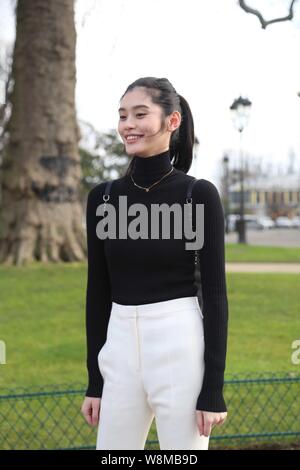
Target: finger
(200, 422)
(207, 428)
(95, 414)
(84, 412)
(222, 421)
(87, 413)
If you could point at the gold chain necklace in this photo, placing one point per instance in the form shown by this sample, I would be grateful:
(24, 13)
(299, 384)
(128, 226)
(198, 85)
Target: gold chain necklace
(147, 189)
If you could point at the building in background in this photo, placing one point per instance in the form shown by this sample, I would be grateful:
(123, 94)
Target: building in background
(272, 195)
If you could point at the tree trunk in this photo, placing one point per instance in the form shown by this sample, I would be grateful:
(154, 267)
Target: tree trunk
(41, 215)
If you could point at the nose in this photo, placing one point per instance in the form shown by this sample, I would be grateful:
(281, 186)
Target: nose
(130, 123)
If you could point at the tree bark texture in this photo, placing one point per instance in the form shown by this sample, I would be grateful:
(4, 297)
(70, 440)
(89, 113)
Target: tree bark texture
(41, 215)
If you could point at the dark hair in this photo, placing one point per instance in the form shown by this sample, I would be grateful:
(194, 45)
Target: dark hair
(182, 139)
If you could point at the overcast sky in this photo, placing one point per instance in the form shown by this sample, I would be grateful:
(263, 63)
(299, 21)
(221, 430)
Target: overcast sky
(210, 50)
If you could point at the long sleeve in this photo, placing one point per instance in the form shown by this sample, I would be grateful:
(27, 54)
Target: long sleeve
(98, 294)
(214, 296)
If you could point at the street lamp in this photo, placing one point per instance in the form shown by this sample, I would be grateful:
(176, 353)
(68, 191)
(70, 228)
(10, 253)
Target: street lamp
(240, 111)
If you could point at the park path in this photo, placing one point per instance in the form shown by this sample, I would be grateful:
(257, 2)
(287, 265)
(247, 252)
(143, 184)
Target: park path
(263, 267)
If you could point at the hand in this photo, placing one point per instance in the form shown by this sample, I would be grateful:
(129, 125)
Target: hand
(91, 409)
(206, 420)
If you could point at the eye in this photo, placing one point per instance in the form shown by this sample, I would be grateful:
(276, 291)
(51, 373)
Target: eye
(139, 114)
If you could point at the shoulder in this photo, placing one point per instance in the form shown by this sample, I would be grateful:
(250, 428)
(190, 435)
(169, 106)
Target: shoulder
(96, 192)
(203, 190)
(206, 191)
(100, 188)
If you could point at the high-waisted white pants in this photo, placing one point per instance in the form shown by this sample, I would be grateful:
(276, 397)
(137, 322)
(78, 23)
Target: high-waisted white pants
(153, 365)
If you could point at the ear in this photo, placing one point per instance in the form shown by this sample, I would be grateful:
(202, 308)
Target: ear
(174, 121)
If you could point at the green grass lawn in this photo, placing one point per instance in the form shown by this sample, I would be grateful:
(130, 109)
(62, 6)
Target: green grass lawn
(42, 321)
(236, 252)
(264, 320)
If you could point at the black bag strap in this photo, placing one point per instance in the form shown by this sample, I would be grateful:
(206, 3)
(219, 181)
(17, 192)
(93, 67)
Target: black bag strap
(190, 189)
(197, 273)
(106, 194)
(189, 199)
(107, 189)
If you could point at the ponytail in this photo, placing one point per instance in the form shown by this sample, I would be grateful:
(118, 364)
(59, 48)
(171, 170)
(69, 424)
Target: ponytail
(182, 140)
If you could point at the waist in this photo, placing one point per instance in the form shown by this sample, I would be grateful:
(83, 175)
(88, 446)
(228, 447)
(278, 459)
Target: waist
(156, 308)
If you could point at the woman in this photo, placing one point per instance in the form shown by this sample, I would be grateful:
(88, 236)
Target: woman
(163, 356)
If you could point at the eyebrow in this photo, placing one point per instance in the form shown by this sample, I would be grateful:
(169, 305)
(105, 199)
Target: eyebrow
(135, 107)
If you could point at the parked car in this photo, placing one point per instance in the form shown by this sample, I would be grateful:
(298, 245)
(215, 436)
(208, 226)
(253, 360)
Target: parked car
(250, 220)
(283, 222)
(295, 222)
(265, 223)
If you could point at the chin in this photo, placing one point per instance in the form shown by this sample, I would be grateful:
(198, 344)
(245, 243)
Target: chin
(136, 151)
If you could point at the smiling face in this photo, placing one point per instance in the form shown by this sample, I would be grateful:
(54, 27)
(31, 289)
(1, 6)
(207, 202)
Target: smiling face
(141, 119)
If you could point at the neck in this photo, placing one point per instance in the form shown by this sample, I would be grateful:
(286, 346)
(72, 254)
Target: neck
(148, 170)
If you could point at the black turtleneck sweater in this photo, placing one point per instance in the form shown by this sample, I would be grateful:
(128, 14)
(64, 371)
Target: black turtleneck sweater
(145, 270)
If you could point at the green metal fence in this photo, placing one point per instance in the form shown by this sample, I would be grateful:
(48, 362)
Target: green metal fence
(263, 409)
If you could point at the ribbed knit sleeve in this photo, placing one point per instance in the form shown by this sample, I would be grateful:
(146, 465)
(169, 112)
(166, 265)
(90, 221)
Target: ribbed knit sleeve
(98, 294)
(214, 295)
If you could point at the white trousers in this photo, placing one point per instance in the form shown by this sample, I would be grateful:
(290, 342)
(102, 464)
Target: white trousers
(152, 364)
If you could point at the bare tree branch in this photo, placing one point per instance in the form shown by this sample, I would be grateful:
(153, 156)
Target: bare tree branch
(265, 23)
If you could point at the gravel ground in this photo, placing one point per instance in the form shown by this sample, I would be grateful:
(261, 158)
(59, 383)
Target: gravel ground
(273, 237)
(263, 267)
